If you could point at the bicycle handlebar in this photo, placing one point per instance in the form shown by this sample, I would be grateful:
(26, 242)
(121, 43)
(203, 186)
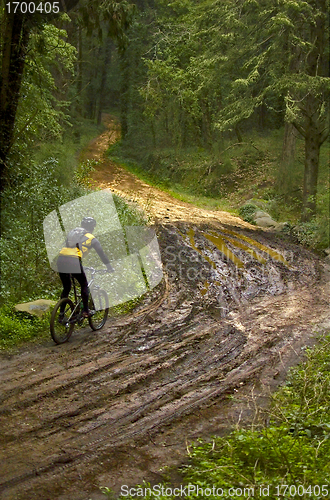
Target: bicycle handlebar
(95, 271)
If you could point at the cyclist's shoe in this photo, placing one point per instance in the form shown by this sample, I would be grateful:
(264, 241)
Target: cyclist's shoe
(87, 314)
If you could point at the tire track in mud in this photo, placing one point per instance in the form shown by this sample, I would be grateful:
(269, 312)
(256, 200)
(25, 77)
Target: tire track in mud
(142, 415)
(102, 392)
(72, 416)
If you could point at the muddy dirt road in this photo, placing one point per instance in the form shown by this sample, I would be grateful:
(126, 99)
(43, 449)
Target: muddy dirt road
(114, 407)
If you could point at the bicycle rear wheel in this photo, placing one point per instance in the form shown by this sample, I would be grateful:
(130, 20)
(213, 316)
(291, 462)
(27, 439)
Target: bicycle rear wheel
(100, 308)
(60, 328)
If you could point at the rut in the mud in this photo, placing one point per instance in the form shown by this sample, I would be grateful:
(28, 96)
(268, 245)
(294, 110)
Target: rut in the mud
(234, 306)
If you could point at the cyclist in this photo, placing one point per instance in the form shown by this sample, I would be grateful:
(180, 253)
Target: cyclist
(78, 243)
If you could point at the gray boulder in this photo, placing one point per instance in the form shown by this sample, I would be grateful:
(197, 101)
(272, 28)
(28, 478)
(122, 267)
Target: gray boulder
(253, 211)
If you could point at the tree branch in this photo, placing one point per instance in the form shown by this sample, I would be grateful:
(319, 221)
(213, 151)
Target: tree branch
(324, 135)
(300, 129)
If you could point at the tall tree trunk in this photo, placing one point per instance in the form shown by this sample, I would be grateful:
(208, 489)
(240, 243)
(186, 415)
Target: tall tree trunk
(315, 130)
(289, 144)
(79, 71)
(312, 153)
(238, 133)
(15, 42)
(101, 91)
(262, 110)
(284, 177)
(15, 39)
(124, 95)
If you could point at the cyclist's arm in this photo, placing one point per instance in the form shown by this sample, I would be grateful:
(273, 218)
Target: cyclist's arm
(97, 247)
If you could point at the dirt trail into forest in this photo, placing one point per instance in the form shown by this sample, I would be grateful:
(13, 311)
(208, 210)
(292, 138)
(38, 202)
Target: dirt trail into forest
(112, 408)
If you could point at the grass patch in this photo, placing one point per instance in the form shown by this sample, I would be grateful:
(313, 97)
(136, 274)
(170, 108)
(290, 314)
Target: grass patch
(17, 328)
(293, 449)
(182, 191)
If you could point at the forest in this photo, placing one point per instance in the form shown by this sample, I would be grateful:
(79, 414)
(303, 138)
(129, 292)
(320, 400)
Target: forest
(205, 92)
(221, 103)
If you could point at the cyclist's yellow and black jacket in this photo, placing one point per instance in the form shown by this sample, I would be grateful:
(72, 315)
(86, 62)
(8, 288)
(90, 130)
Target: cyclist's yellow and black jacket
(69, 259)
(87, 242)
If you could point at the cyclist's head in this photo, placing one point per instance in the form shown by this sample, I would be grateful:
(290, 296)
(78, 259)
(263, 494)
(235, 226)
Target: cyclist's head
(88, 223)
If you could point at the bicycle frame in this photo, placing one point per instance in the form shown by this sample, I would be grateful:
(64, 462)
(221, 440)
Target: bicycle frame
(78, 299)
(67, 312)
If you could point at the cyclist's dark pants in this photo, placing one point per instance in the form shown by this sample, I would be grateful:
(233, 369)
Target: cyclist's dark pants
(82, 280)
(67, 266)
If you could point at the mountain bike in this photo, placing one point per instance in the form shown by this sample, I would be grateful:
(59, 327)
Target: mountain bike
(67, 313)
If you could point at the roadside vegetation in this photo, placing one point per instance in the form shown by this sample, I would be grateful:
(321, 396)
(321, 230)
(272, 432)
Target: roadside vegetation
(225, 104)
(287, 456)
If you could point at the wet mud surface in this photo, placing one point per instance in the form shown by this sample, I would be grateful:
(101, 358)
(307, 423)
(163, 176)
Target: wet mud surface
(198, 356)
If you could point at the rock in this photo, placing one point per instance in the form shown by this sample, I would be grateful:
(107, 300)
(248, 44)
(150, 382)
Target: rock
(327, 251)
(37, 308)
(259, 214)
(262, 218)
(265, 221)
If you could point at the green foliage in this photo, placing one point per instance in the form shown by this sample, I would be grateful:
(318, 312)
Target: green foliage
(253, 459)
(313, 234)
(36, 192)
(16, 328)
(83, 171)
(306, 394)
(247, 212)
(128, 215)
(116, 15)
(66, 149)
(195, 74)
(42, 110)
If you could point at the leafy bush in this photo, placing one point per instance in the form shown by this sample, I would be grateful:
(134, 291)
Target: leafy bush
(36, 192)
(83, 171)
(19, 327)
(314, 234)
(247, 212)
(128, 215)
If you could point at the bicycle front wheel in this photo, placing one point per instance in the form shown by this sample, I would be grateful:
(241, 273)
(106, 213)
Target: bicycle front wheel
(60, 327)
(99, 307)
